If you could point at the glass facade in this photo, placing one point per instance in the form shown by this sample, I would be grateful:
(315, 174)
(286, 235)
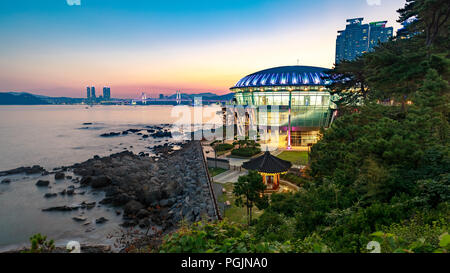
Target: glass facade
(308, 109)
(292, 101)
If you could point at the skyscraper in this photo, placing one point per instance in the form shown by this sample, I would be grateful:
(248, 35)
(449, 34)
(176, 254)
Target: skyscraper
(106, 92)
(359, 38)
(379, 33)
(88, 92)
(93, 92)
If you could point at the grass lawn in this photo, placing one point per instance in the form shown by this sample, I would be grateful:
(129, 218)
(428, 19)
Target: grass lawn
(234, 213)
(215, 171)
(297, 158)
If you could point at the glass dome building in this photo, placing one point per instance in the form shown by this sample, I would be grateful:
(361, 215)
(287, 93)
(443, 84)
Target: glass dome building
(301, 97)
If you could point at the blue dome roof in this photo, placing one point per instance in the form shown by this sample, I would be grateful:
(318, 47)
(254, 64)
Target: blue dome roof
(285, 76)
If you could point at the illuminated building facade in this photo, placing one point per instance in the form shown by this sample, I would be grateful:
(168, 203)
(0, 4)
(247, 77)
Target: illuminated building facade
(359, 38)
(295, 99)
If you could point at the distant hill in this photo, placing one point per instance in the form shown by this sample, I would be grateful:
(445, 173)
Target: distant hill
(20, 99)
(23, 98)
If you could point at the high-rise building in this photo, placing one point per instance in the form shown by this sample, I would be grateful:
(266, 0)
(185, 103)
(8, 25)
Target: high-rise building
(88, 92)
(405, 32)
(106, 92)
(93, 92)
(379, 33)
(359, 38)
(161, 96)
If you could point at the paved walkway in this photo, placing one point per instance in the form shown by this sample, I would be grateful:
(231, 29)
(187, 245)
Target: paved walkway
(228, 176)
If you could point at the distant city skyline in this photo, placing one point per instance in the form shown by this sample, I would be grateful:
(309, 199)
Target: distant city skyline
(55, 49)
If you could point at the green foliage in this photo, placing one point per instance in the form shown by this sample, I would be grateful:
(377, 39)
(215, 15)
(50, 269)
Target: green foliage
(414, 236)
(246, 148)
(223, 147)
(249, 191)
(394, 244)
(432, 18)
(227, 237)
(246, 151)
(349, 83)
(39, 244)
(297, 180)
(219, 237)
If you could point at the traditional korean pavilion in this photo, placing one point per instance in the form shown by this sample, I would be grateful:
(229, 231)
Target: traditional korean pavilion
(270, 167)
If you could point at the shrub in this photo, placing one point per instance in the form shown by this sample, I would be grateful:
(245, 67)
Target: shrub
(246, 151)
(297, 180)
(223, 147)
(39, 244)
(218, 237)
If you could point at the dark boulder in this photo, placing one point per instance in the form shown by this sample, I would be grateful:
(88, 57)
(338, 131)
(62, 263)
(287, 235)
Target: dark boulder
(150, 197)
(132, 207)
(112, 134)
(171, 189)
(121, 199)
(86, 205)
(161, 134)
(101, 181)
(129, 223)
(50, 195)
(144, 223)
(28, 170)
(59, 175)
(106, 201)
(6, 181)
(101, 220)
(42, 183)
(167, 202)
(79, 219)
(61, 208)
(85, 181)
(142, 213)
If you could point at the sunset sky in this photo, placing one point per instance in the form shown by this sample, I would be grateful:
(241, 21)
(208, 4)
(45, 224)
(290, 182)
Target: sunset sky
(49, 47)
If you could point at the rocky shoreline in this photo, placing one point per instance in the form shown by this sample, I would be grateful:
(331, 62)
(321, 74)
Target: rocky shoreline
(153, 193)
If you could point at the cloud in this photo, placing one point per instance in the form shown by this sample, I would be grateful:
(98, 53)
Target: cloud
(73, 2)
(374, 2)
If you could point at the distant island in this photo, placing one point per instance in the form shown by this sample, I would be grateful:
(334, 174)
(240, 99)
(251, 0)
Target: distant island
(24, 98)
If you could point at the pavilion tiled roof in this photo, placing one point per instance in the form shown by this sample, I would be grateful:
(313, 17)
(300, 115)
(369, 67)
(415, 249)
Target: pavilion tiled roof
(267, 163)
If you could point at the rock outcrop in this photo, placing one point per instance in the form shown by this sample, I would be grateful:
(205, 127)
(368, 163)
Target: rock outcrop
(152, 191)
